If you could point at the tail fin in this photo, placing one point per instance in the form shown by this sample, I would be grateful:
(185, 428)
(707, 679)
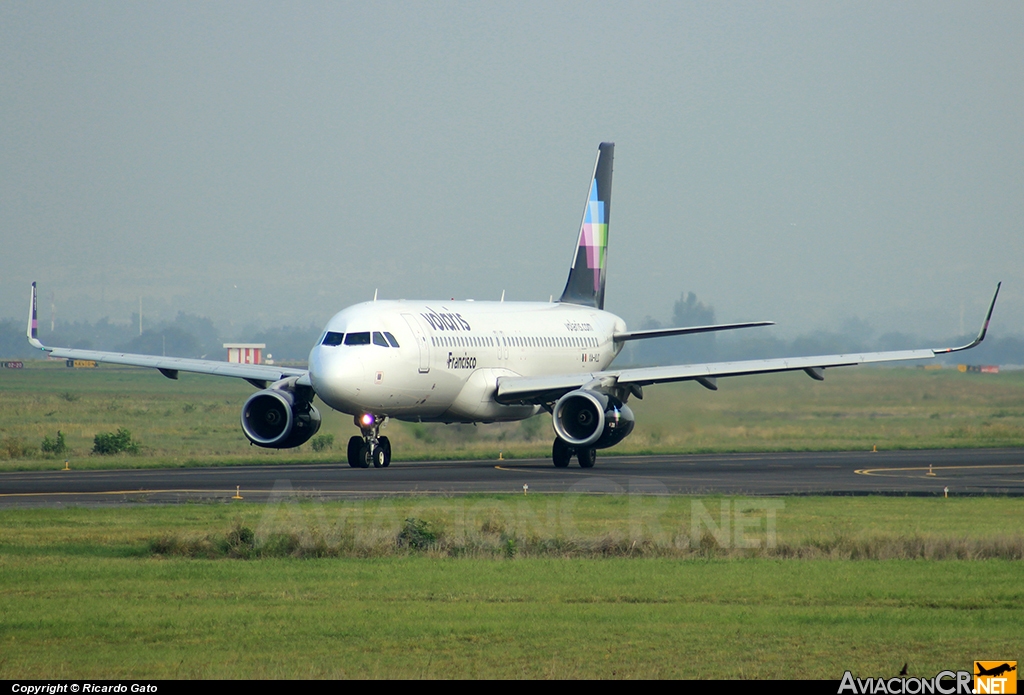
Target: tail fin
(33, 322)
(586, 275)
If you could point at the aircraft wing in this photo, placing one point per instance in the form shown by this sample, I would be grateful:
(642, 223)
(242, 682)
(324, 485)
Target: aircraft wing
(170, 366)
(688, 330)
(259, 375)
(546, 389)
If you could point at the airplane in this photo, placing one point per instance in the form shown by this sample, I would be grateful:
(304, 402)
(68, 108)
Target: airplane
(471, 361)
(995, 670)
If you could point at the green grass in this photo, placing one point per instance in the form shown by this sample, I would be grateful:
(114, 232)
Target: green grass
(659, 524)
(84, 596)
(194, 421)
(417, 617)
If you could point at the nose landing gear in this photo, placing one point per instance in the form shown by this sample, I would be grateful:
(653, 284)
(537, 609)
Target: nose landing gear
(370, 448)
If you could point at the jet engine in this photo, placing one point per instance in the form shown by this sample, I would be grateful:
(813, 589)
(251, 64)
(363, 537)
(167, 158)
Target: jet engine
(589, 419)
(280, 417)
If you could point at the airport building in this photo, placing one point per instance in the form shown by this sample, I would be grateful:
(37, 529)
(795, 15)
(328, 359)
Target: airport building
(245, 353)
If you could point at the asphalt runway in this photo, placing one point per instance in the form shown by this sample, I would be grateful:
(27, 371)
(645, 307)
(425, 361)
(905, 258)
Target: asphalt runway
(962, 471)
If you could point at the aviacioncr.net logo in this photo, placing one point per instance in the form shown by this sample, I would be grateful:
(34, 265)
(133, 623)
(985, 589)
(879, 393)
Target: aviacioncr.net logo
(995, 677)
(944, 683)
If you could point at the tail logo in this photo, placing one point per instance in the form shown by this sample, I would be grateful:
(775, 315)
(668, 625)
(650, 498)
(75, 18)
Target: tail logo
(594, 237)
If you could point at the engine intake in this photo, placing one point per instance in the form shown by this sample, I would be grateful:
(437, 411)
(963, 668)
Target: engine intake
(276, 419)
(589, 419)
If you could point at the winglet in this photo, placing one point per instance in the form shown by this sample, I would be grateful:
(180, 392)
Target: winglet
(33, 322)
(981, 333)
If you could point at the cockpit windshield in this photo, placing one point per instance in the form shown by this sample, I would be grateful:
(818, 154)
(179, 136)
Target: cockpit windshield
(379, 338)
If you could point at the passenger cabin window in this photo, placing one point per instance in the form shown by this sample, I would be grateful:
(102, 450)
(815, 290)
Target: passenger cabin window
(332, 338)
(358, 338)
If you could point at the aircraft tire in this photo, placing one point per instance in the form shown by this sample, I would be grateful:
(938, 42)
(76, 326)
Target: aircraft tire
(561, 453)
(354, 445)
(378, 456)
(587, 457)
(385, 446)
(365, 455)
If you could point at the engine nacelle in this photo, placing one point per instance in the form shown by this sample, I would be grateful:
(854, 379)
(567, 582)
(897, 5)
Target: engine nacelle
(274, 418)
(589, 419)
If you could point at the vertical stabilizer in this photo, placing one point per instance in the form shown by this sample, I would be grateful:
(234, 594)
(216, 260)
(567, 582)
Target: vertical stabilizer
(589, 264)
(33, 320)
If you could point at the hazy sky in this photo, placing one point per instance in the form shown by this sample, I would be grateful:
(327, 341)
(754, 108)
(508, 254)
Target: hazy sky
(801, 162)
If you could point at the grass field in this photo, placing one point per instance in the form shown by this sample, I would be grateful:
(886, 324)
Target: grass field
(194, 421)
(85, 596)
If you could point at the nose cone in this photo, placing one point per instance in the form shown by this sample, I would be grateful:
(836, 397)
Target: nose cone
(337, 376)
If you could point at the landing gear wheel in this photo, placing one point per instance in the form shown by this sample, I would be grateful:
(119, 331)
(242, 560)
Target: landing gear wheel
(365, 455)
(586, 457)
(354, 445)
(561, 454)
(370, 448)
(378, 456)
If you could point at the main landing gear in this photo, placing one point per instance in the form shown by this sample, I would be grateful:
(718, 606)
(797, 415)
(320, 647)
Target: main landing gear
(370, 448)
(562, 453)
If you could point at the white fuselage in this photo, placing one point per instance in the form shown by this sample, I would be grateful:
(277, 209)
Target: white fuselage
(451, 354)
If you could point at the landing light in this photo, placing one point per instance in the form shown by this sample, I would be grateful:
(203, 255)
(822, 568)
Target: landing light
(367, 420)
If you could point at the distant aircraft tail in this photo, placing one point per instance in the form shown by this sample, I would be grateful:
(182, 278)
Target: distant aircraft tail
(586, 275)
(33, 320)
